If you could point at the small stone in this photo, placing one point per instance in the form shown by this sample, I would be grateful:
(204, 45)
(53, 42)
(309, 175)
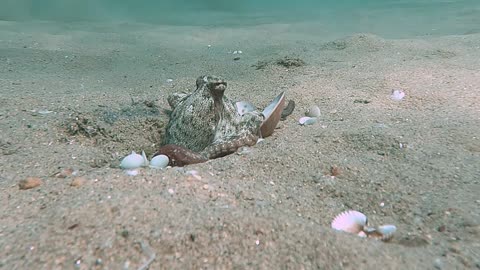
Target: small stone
(29, 182)
(78, 181)
(438, 264)
(206, 187)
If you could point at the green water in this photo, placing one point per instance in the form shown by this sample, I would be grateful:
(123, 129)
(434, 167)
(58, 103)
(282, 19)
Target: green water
(384, 17)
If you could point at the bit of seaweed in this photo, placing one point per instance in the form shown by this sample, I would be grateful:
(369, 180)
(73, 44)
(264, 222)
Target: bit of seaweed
(287, 61)
(290, 62)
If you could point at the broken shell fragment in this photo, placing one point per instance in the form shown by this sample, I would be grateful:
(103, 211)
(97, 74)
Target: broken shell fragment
(313, 111)
(305, 121)
(350, 221)
(159, 162)
(134, 161)
(384, 232)
(397, 95)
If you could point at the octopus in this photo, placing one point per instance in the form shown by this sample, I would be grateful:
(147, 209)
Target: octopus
(205, 124)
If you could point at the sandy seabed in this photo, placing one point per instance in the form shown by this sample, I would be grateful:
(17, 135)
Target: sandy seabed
(76, 98)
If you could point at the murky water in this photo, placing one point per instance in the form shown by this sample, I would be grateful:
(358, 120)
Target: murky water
(389, 18)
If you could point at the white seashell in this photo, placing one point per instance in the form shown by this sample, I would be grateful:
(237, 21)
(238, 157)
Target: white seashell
(397, 95)
(350, 221)
(313, 111)
(244, 107)
(159, 162)
(134, 161)
(304, 121)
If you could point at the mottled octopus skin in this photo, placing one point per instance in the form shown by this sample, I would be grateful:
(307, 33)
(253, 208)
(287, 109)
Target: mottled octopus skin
(207, 123)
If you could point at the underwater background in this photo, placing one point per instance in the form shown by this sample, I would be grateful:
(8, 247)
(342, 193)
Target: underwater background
(390, 18)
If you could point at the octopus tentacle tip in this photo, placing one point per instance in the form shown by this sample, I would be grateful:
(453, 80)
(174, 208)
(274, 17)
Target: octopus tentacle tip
(180, 156)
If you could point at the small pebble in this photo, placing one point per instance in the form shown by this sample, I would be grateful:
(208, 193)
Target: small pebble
(30, 182)
(171, 191)
(78, 181)
(438, 264)
(205, 187)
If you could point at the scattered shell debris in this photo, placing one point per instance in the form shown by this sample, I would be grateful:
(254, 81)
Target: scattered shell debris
(354, 222)
(397, 95)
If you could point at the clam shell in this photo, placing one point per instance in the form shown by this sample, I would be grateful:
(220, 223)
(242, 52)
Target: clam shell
(304, 121)
(272, 113)
(313, 111)
(159, 162)
(350, 221)
(244, 107)
(134, 161)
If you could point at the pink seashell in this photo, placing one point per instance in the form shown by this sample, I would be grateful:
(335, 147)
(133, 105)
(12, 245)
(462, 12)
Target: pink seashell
(350, 221)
